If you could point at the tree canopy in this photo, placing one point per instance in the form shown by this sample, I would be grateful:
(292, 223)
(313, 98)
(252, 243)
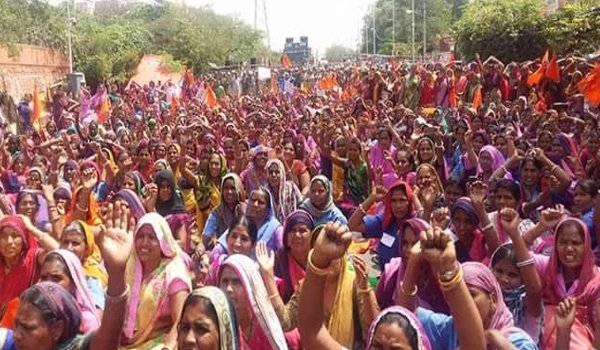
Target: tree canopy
(339, 53)
(110, 44)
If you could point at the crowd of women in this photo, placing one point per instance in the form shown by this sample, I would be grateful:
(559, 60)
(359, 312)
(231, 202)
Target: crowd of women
(256, 224)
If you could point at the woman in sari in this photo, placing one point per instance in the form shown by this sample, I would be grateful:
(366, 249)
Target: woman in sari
(564, 152)
(397, 206)
(429, 153)
(168, 199)
(319, 203)
(160, 282)
(476, 236)
(378, 153)
(21, 253)
(570, 272)
(256, 175)
(239, 278)
(210, 307)
(208, 188)
(286, 195)
(295, 169)
(132, 201)
(290, 261)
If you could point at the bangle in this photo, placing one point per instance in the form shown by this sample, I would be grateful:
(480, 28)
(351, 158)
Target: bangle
(452, 282)
(362, 209)
(364, 291)
(525, 263)
(118, 298)
(273, 296)
(554, 169)
(487, 227)
(412, 293)
(311, 267)
(78, 207)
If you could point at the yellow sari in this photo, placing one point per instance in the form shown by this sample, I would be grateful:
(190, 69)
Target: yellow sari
(337, 180)
(341, 321)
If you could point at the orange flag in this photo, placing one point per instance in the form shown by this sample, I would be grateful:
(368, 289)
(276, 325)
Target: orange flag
(189, 77)
(477, 98)
(104, 109)
(211, 98)
(590, 86)
(553, 71)
(38, 107)
(174, 105)
(535, 77)
(285, 61)
(273, 84)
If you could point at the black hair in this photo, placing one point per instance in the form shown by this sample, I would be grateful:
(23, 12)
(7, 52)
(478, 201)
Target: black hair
(589, 186)
(504, 252)
(510, 186)
(207, 307)
(455, 181)
(404, 323)
(248, 224)
(538, 164)
(55, 256)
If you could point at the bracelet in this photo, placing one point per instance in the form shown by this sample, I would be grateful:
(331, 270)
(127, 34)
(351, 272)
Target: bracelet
(362, 209)
(317, 271)
(411, 294)
(453, 282)
(119, 298)
(554, 169)
(525, 263)
(364, 291)
(78, 207)
(273, 296)
(487, 227)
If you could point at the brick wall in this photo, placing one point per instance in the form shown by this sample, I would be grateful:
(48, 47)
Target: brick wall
(18, 74)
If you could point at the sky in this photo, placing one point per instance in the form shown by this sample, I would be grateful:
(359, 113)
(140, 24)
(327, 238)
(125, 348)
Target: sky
(325, 22)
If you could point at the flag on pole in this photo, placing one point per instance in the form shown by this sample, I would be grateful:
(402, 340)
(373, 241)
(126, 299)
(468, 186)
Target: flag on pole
(174, 105)
(535, 77)
(553, 71)
(38, 108)
(285, 61)
(590, 86)
(210, 98)
(104, 109)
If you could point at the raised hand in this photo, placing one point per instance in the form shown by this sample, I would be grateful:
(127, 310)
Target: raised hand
(332, 243)
(509, 218)
(549, 218)
(565, 314)
(89, 178)
(429, 196)
(478, 192)
(437, 247)
(265, 259)
(116, 236)
(440, 218)
(48, 192)
(27, 221)
(362, 275)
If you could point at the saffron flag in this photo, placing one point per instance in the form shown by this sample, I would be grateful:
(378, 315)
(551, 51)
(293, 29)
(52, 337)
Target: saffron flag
(38, 108)
(553, 71)
(211, 98)
(536, 77)
(104, 109)
(285, 61)
(590, 86)
(174, 105)
(477, 97)
(273, 84)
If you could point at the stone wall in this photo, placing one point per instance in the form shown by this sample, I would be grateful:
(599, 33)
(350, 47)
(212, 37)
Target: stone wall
(19, 73)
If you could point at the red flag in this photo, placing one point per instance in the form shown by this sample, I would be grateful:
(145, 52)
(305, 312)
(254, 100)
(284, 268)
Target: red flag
(211, 98)
(590, 86)
(285, 61)
(104, 109)
(553, 71)
(38, 107)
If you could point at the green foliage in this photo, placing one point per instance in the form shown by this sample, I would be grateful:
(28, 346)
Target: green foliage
(110, 44)
(517, 30)
(509, 30)
(438, 19)
(338, 53)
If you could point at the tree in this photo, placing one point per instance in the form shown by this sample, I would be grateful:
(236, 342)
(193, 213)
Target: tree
(511, 30)
(574, 28)
(338, 53)
(437, 19)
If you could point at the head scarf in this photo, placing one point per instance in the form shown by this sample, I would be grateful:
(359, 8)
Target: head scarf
(40, 171)
(148, 298)
(225, 216)
(295, 218)
(63, 307)
(388, 216)
(585, 288)
(229, 337)
(431, 144)
(175, 203)
(270, 224)
(496, 156)
(162, 162)
(92, 263)
(268, 323)
(514, 298)
(22, 275)
(133, 201)
(422, 340)
(89, 319)
(287, 201)
(315, 212)
(465, 204)
(480, 276)
(93, 213)
(437, 180)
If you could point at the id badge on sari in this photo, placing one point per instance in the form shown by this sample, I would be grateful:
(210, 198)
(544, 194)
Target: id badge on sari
(387, 240)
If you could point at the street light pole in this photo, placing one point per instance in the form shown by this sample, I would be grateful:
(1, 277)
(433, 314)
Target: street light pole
(412, 12)
(424, 28)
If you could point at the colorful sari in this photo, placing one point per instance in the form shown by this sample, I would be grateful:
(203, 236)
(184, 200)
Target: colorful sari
(150, 297)
(229, 336)
(289, 195)
(341, 324)
(14, 281)
(422, 342)
(222, 217)
(329, 212)
(477, 250)
(267, 334)
(92, 263)
(585, 290)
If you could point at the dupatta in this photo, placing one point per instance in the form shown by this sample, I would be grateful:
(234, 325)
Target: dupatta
(270, 335)
(148, 296)
(92, 264)
(413, 321)
(229, 337)
(341, 321)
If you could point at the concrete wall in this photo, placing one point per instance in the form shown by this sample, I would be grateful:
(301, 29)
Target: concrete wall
(19, 73)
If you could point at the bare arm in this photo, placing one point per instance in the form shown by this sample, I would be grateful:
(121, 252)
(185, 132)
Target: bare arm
(177, 301)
